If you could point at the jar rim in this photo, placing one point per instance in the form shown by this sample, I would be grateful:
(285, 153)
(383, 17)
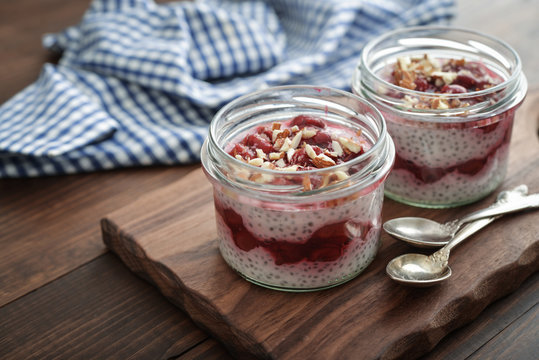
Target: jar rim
(383, 134)
(513, 76)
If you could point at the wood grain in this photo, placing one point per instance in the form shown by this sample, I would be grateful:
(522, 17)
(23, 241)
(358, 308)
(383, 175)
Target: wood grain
(50, 226)
(169, 237)
(501, 317)
(107, 314)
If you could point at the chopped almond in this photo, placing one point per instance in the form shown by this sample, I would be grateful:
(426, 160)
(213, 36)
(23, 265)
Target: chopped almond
(268, 165)
(278, 144)
(296, 140)
(289, 154)
(337, 149)
(280, 163)
(341, 175)
(261, 154)
(350, 145)
(323, 161)
(286, 145)
(289, 168)
(256, 161)
(275, 126)
(439, 104)
(261, 178)
(310, 151)
(276, 155)
(309, 133)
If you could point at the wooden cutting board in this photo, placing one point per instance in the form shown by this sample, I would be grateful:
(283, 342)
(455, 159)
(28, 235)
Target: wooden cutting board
(169, 238)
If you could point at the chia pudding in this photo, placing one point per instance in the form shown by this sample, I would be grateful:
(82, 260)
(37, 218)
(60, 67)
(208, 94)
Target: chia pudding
(450, 114)
(302, 210)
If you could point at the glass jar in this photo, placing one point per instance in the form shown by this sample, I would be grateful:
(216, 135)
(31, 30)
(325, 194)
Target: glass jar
(451, 147)
(273, 230)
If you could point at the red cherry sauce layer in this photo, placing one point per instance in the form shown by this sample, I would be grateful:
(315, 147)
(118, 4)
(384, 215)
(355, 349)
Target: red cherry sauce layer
(328, 243)
(446, 76)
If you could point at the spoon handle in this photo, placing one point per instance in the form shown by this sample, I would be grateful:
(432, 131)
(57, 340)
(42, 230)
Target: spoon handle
(467, 231)
(500, 208)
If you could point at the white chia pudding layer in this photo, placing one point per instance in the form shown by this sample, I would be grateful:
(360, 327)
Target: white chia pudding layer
(296, 225)
(442, 150)
(445, 147)
(453, 188)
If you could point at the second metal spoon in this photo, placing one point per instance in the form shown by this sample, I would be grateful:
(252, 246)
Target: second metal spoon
(428, 233)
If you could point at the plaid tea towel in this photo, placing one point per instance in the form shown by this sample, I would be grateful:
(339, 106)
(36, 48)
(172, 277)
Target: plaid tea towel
(138, 82)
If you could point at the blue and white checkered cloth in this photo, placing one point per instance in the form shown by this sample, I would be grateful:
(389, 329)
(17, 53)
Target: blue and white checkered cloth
(138, 83)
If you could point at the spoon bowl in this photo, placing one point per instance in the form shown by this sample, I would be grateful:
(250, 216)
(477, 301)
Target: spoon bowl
(418, 231)
(416, 270)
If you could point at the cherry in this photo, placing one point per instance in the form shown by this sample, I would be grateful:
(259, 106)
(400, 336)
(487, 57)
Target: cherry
(421, 84)
(305, 120)
(321, 139)
(258, 141)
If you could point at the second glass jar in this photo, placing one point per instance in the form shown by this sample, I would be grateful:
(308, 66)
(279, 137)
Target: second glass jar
(452, 145)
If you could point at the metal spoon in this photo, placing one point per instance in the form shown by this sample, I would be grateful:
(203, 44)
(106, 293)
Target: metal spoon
(427, 233)
(422, 270)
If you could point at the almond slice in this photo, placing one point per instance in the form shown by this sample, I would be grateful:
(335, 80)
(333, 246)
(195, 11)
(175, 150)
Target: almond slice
(337, 149)
(440, 104)
(276, 155)
(286, 145)
(261, 154)
(296, 140)
(289, 154)
(341, 175)
(261, 178)
(256, 162)
(274, 135)
(330, 153)
(278, 144)
(294, 128)
(350, 144)
(404, 62)
(447, 76)
(290, 168)
(275, 126)
(323, 161)
(310, 151)
(239, 157)
(309, 133)
(279, 134)
(243, 174)
(280, 163)
(268, 165)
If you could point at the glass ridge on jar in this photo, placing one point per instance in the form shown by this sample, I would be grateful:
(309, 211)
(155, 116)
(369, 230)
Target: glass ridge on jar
(273, 231)
(444, 156)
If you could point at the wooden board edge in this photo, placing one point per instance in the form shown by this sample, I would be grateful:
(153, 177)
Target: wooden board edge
(196, 306)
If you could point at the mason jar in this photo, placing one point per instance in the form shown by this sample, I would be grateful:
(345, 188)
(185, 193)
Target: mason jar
(307, 229)
(449, 98)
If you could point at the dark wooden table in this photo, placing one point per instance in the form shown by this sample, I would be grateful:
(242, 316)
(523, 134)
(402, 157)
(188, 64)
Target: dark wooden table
(63, 295)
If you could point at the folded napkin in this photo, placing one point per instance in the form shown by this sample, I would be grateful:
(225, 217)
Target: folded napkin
(138, 83)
